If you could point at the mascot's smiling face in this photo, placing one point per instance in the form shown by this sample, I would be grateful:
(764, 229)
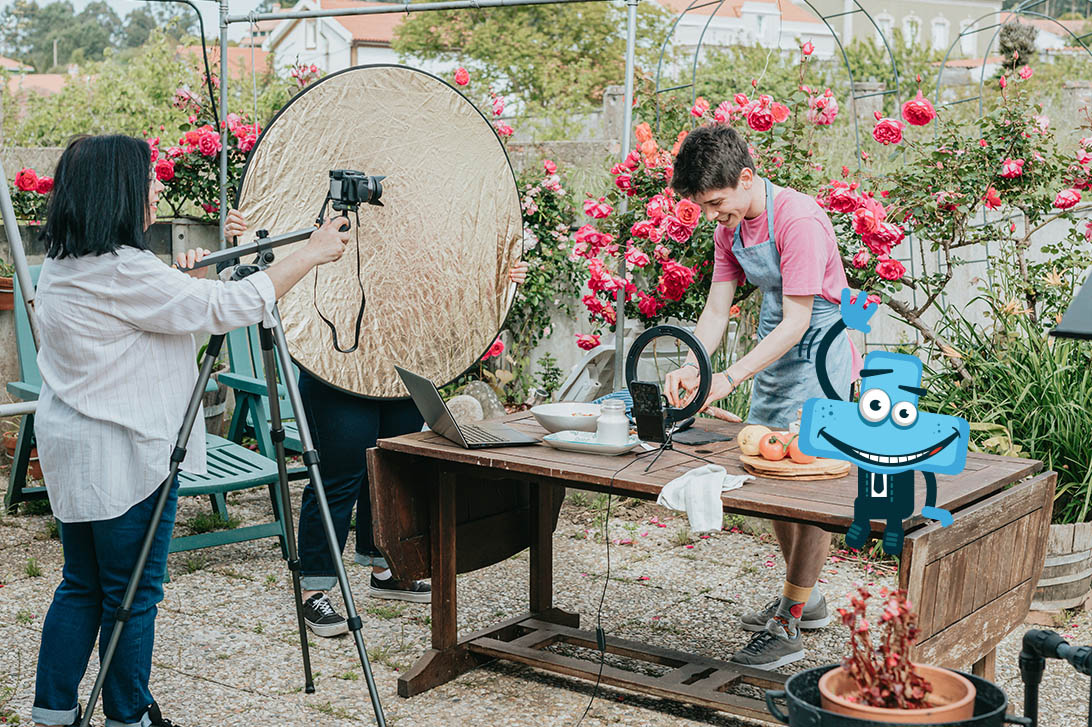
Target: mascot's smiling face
(884, 432)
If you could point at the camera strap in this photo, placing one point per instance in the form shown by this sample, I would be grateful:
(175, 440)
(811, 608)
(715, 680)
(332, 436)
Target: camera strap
(359, 282)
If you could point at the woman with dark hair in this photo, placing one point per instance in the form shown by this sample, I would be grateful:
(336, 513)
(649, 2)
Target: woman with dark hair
(118, 366)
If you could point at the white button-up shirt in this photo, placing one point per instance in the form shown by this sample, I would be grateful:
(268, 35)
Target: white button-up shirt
(118, 366)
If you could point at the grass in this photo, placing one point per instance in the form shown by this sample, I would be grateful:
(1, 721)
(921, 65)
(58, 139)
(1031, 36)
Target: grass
(329, 709)
(194, 563)
(350, 676)
(271, 580)
(385, 612)
(24, 617)
(32, 568)
(682, 537)
(386, 655)
(36, 507)
(732, 520)
(207, 522)
(260, 628)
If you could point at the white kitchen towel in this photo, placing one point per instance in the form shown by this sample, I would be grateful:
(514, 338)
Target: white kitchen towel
(698, 493)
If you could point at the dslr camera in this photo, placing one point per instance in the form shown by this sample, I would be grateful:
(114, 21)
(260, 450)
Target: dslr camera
(349, 189)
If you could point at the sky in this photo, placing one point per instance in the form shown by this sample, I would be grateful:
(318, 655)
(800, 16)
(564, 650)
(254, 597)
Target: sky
(210, 11)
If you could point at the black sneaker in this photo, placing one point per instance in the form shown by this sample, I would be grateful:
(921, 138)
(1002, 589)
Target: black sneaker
(416, 591)
(772, 647)
(157, 718)
(321, 618)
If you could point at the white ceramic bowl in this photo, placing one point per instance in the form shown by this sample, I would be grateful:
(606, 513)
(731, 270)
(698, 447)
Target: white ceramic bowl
(565, 415)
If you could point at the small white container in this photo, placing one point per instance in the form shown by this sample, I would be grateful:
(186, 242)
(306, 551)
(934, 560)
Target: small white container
(613, 425)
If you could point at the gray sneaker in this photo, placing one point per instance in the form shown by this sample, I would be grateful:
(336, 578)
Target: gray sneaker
(771, 648)
(815, 617)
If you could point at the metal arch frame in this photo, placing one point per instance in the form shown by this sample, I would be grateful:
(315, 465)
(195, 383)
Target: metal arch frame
(696, 4)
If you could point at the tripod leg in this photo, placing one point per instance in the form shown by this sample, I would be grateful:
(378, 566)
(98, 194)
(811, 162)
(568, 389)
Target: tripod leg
(284, 509)
(310, 459)
(179, 454)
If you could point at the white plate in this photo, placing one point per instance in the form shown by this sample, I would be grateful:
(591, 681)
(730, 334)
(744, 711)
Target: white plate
(572, 441)
(567, 416)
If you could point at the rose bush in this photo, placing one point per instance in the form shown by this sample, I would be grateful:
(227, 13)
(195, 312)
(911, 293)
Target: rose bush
(30, 195)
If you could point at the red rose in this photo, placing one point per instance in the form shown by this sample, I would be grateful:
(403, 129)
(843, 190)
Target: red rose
(861, 259)
(868, 216)
(807, 49)
(760, 119)
(597, 208)
(992, 198)
(549, 166)
(780, 112)
(1012, 168)
(919, 111)
(887, 131)
(462, 76)
(1025, 73)
(45, 185)
(26, 179)
(890, 269)
(164, 170)
(247, 143)
(587, 341)
(624, 182)
(883, 238)
(1067, 198)
(657, 208)
(495, 350)
(844, 201)
(674, 280)
(699, 108)
(642, 229)
(636, 258)
(688, 213)
(649, 305)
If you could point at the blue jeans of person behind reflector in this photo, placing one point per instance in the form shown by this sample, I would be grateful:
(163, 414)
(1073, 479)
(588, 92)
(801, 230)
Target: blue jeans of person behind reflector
(98, 560)
(344, 427)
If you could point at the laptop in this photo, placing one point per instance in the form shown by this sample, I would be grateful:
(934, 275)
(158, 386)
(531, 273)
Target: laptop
(469, 436)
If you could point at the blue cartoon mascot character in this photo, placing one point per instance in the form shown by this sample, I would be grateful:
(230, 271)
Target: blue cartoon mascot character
(884, 434)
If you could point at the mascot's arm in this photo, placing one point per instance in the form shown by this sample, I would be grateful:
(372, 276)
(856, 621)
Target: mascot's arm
(930, 510)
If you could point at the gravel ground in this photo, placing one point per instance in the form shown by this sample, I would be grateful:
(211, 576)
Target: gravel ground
(227, 652)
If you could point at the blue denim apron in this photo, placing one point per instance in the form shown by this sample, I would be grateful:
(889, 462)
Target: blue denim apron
(782, 387)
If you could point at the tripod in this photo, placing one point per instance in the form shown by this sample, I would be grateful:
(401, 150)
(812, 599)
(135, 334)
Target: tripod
(668, 444)
(271, 339)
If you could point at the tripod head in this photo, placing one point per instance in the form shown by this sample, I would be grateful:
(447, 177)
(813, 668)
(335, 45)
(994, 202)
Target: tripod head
(1040, 645)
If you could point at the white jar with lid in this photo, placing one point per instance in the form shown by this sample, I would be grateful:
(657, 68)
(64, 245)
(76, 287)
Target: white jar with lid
(613, 425)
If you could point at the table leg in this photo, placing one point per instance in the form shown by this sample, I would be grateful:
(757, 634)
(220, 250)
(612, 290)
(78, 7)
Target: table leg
(986, 666)
(542, 557)
(447, 658)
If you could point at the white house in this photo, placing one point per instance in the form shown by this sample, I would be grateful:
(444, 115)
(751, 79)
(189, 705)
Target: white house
(762, 23)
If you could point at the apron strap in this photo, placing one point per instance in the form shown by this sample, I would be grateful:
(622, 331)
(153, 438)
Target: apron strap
(769, 216)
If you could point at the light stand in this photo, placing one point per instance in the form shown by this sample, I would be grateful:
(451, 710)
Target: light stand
(666, 445)
(270, 338)
(1038, 646)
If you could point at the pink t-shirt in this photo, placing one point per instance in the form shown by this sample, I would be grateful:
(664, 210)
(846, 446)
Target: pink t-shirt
(805, 240)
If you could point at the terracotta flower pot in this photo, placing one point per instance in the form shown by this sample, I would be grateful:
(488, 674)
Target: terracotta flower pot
(7, 294)
(34, 467)
(952, 695)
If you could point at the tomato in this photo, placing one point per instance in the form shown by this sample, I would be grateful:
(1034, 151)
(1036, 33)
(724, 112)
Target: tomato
(772, 447)
(796, 455)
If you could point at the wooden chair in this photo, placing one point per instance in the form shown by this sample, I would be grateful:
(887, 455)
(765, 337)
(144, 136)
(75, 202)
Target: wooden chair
(231, 467)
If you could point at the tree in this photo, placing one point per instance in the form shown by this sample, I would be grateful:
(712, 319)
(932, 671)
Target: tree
(54, 34)
(554, 59)
(1017, 38)
(139, 24)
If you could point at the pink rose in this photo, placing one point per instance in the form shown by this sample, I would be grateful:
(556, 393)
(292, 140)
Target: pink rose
(44, 186)
(992, 199)
(1003, 82)
(883, 238)
(867, 217)
(314, 68)
(587, 341)
(657, 208)
(624, 182)
(887, 131)
(1088, 231)
(740, 99)
(462, 76)
(597, 208)
(688, 213)
(209, 143)
(676, 229)
(649, 305)
(636, 258)
(1042, 123)
(247, 142)
(807, 49)
(1067, 198)
(1025, 72)
(662, 254)
(549, 166)
(844, 201)
(823, 110)
(918, 112)
(674, 280)
(495, 350)
(860, 260)
(504, 130)
(641, 229)
(780, 112)
(890, 269)
(700, 107)
(26, 179)
(1012, 168)
(498, 105)
(164, 170)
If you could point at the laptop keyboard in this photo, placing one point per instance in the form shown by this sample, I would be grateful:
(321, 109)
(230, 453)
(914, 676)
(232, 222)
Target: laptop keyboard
(476, 435)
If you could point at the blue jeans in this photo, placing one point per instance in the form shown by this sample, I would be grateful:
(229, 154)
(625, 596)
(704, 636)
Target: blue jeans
(98, 560)
(343, 427)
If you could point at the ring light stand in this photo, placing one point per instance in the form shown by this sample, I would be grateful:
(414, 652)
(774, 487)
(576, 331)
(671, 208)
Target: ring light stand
(656, 420)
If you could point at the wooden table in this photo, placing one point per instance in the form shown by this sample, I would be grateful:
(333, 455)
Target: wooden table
(440, 509)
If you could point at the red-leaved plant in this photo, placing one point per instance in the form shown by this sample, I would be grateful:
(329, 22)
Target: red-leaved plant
(883, 672)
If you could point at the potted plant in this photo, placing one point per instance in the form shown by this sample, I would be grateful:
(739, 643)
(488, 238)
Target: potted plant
(11, 440)
(878, 681)
(7, 286)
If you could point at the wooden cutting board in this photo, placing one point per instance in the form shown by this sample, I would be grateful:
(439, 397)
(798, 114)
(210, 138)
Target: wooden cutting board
(786, 469)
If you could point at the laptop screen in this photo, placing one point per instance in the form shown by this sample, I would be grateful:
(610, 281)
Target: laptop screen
(431, 405)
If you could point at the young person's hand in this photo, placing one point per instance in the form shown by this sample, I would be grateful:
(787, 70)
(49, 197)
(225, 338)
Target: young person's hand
(187, 260)
(327, 243)
(686, 378)
(721, 387)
